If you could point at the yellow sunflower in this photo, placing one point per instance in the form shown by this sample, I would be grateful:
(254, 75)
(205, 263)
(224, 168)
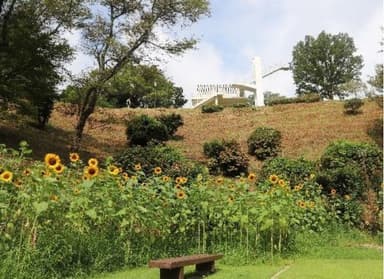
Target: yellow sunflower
(181, 195)
(178, 187)
(51, 160)
(6, 176)
(27, 172)
(252, 177)
(273, 178)
(91, 171)
(157, 170)
(178, 180)
(333, 191)
(59, 168)
(112, 169)
(298, 187)
(54, 198)
(125, 175)
(219, 180)
(281, 182)
(76, 191)
(301, 204)
(166, 178)
(45, 173)
(74, 157)
(93, 162)
(184, 180)
(231, 199)
(137, 167)
(17, 183)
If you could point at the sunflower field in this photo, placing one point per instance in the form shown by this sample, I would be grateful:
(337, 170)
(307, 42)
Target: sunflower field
(62, 220)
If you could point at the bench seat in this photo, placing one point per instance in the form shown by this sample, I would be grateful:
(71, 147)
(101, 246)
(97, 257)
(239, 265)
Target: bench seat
(173, 268)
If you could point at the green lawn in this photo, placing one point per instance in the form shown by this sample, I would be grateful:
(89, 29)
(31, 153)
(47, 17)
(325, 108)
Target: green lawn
(326, 263)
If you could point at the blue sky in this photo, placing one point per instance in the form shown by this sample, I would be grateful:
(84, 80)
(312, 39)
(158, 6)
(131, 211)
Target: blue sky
(238, 30)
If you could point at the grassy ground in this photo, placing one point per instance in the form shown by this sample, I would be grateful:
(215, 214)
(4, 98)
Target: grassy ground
(306, 128)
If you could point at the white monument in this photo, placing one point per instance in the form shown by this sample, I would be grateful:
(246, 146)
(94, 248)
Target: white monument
(231, 93)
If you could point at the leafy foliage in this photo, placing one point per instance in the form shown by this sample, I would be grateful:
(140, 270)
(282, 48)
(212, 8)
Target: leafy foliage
(351, 168)
(226, 158)
(143, 129)
(211, 108)
(352, 106)
(377, 80)
(264, 142)
(172, 121)
(375, 131)
(320, 65)
(292, 170)
(304, 98)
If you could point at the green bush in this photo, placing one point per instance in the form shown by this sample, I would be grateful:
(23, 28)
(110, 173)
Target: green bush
(172, 121)
(169, 159)
(226, 158)
(295, 171)
(305, 98)
(211, 108)
(353, 106)
(376, 131)
(143, 129)
(264, 142)
(362, 159)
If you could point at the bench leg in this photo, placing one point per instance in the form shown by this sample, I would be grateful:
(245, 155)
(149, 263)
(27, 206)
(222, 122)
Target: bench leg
(205, 268)
(176, 273)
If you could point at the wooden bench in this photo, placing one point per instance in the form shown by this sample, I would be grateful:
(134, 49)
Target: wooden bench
(173, 268)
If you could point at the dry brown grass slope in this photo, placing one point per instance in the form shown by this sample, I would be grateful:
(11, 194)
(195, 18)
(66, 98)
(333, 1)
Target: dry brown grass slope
(306, 129)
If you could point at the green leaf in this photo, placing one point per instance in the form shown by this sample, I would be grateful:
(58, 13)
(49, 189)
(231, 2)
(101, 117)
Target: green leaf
(91, 213)
(268, 224)
(40, 207)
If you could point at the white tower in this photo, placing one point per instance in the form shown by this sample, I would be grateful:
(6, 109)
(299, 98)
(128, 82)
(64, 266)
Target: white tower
(259, 96)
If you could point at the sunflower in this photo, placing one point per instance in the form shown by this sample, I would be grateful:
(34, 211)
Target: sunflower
(281, 182)
(311, 204)
(51, 160)
(166, 178)
(157, 170)
(298, 187)
(54, 198)
(17, 183)
(76, 191)
(219, 180)
(184, 180)
(231, 187)
(231, 199)
(6, 176)
(93, 162)
(273, 178)
(333, 191)
(27, 172)
(59, 168)
(181, 195)
(301, 204)
(178, 187)
(91, 171)
(312, 176)
(251, 177)
(178, 180)
(125, 175)
(137, 167)
(74, 157)
(112, 169)
(45, 173)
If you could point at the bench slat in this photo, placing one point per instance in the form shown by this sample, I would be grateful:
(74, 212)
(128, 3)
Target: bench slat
(171, 263)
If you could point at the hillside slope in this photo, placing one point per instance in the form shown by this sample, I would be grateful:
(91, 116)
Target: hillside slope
(306, 128)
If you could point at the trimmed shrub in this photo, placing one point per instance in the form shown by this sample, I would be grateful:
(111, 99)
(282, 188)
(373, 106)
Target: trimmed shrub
(305, 98)
(226, 158)
(264, 142)
(376, 131)
(292, 170)
(351, 168)
(211, 108)
(169, 159)
(143, 129)
(172, 121)
(353, 106)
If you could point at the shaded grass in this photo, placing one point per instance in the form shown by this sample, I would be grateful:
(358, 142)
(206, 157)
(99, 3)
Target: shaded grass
(331, 269)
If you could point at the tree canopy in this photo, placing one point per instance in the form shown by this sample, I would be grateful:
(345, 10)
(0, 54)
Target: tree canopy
(320, 65)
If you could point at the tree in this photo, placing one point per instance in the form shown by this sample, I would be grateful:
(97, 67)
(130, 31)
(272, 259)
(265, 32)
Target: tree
(377, 80)
(143, 86)
(320, 65)
(120, 32)
(32, 53)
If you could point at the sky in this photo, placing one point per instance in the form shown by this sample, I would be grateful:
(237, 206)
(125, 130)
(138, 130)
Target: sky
(238, 30)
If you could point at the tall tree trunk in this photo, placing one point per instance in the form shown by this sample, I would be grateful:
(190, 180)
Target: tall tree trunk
(87, 108)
